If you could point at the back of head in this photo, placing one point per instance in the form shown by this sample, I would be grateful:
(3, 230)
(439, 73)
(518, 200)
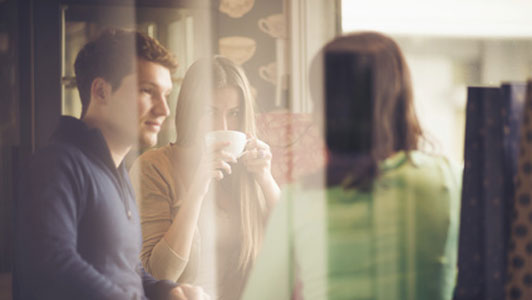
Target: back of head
(113, 55)
(369, 112)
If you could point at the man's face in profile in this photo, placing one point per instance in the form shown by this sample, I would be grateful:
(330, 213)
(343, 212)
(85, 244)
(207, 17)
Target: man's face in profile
(140, 103)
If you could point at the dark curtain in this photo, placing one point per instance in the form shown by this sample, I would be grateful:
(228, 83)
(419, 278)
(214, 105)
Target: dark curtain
(519, 285)
(491, 147)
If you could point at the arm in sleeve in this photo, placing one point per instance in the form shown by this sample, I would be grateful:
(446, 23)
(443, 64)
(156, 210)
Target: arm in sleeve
(153, 189)
(155, 289)
(50, 206)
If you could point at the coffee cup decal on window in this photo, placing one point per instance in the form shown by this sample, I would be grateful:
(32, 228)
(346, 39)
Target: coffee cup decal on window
(236, 8)
(270, 73)
(274, 25)
(239, 49)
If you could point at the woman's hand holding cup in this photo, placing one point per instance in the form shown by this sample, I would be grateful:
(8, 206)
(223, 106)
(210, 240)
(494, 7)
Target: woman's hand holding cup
(257, 158)
(215, 164)
(222, 147)
(219, 160)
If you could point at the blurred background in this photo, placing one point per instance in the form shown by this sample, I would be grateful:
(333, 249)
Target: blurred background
(449, 45)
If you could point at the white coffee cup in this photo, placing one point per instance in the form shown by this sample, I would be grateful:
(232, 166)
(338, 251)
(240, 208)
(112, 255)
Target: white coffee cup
(236, 138)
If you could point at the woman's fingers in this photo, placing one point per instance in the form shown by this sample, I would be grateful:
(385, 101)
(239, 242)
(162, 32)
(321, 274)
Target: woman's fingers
(217, 174)
(219, 163)
(256, 157)
(256, 143)
(256, 149)
(225, 156)
(262, 145)
(248, 154)
(252, 143)
(222, 165)
(256, 154)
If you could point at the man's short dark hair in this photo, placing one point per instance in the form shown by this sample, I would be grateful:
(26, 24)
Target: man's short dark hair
(112, 56)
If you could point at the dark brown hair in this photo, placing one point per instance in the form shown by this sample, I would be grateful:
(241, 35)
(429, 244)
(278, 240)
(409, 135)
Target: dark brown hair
(112, 56)
(369, 107)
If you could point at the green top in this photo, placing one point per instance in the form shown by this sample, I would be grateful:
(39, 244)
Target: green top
(398, 241)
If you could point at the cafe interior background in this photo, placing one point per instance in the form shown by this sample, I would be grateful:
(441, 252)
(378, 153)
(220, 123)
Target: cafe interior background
(449, 45)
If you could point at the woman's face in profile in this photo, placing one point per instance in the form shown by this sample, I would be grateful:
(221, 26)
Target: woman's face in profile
(224, 113)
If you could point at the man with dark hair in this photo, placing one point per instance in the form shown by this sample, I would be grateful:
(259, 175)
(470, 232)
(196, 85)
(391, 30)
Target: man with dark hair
(77, 227)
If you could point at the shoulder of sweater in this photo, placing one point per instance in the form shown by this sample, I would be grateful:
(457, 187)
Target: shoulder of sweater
(157, 160)
(158, 157)
(424, 159)
(426, 170)
(60, 153)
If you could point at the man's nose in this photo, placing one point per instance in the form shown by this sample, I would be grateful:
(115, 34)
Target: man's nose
(162, 108)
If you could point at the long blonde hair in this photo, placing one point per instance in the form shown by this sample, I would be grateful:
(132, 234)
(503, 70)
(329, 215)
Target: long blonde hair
(192, 99)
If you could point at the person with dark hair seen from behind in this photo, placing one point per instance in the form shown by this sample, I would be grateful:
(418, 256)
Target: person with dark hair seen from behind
(381, 219)
(373, 135)
(78, 233)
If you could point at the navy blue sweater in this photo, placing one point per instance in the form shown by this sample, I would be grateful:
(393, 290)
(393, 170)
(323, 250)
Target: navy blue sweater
(77, 228)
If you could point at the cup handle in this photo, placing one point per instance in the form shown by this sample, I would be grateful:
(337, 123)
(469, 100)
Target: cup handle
(263, 25)
(263, 72)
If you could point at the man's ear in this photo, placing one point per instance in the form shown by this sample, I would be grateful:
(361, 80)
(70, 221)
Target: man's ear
(100, 90)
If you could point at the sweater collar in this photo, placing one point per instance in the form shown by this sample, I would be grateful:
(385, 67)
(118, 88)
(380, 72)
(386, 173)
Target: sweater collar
(89, 140)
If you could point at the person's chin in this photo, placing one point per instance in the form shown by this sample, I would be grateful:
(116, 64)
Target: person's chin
(148, 139)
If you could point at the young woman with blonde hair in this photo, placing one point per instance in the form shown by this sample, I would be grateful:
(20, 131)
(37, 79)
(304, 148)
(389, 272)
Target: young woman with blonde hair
(174, 182)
